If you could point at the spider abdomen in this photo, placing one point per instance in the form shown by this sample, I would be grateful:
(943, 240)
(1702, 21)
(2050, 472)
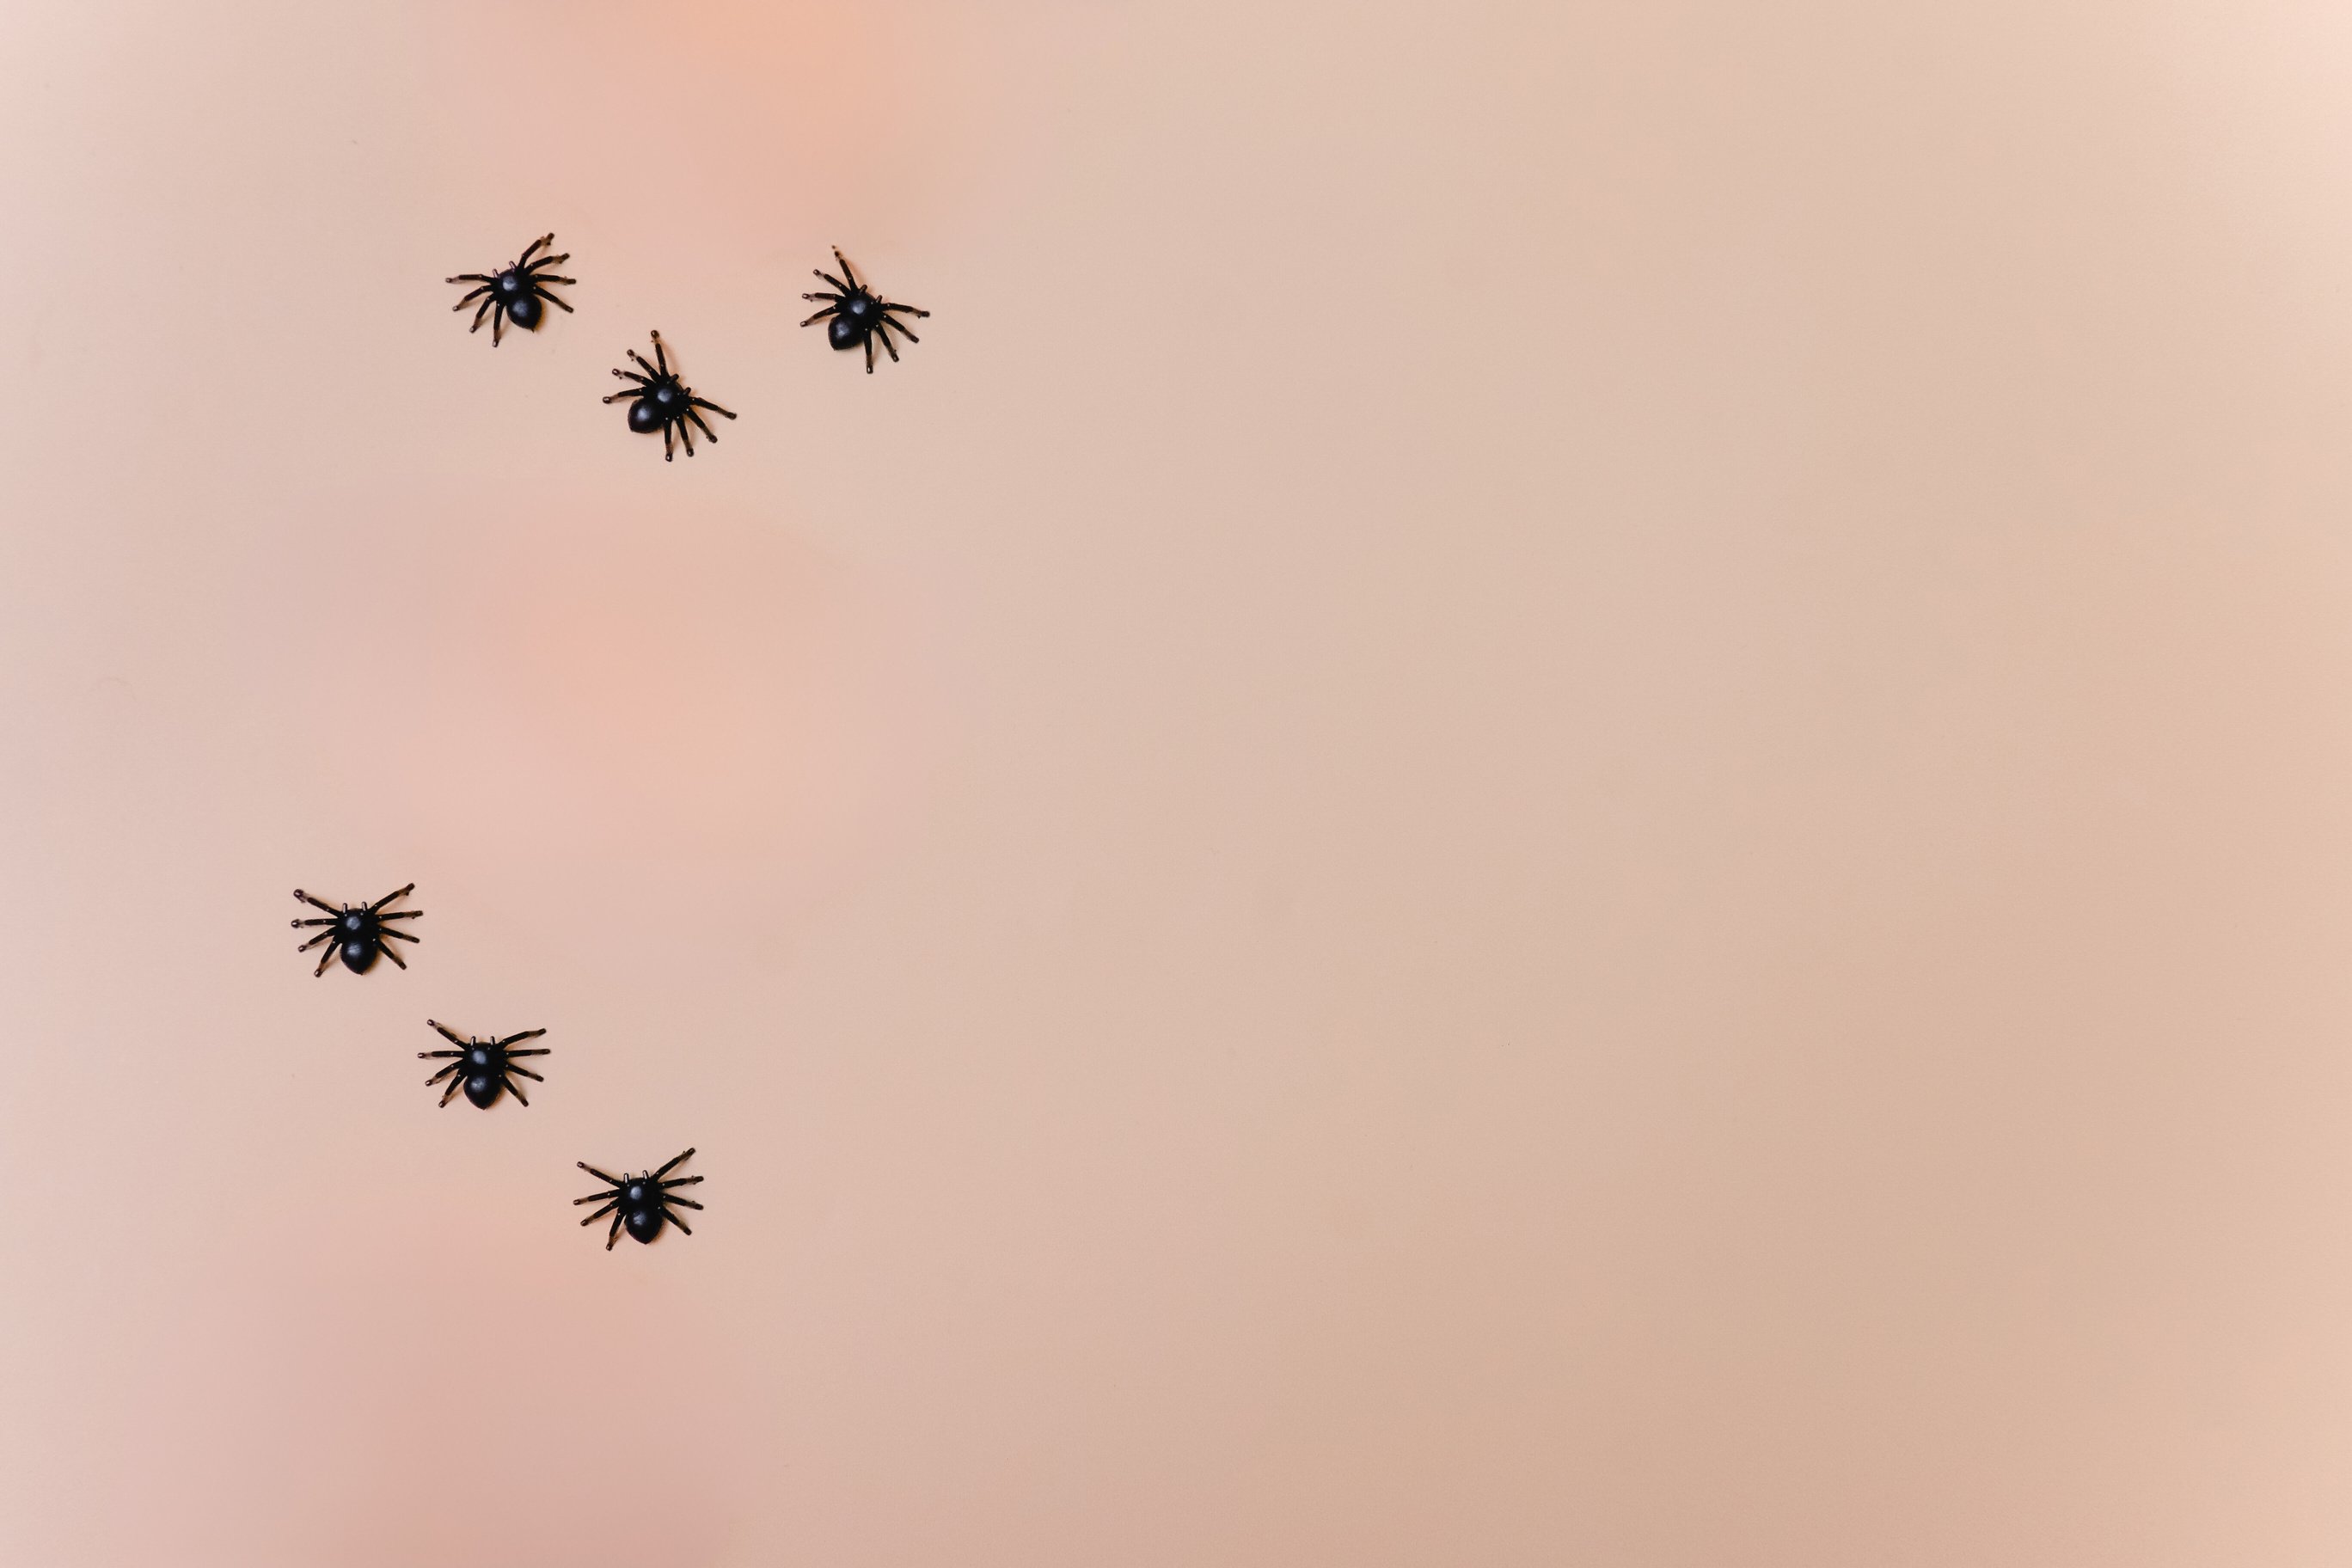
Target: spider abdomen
(525, 310)
(847, 332)
(645, 1224)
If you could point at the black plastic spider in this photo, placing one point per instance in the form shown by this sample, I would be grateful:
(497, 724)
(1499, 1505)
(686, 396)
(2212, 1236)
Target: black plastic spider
(516, 292)
(859, 315)
(664, 402)
(482, 1066)
(358, 933)
(640, 1203)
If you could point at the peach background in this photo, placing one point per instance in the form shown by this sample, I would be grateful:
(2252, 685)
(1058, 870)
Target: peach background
(1565, 784)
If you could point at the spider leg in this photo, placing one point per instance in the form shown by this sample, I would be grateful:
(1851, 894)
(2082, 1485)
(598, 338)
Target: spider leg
(632, 375)
(402, 915)
(821, 294)
(705, 402)
(449, 1093)
(536, 243)
(472, 278)
(445, 1072)
(534, 1051)
(526, 1073)
(393, 953)
(553, 300)
(678, 1222)
(449, 1034)
(669, 454)
(538, 277)
(325, 959)
(499, 324)
(300, 925)
(846, 269)
(660, 355)
(428, 1056)
(820, 315)
(480, 314)
(615, 1235)
(395, 893)
(882, 330)
(869, 353)
(634, 392)
(887, 305)
(600, 1176)
(549, 260)
(836, 282)
(682, 1181)
(513, 1090)
(707, 434)
(657, 1175)
(901, 326)
(600, 1214)
(651, 374)
(322, 903)
(470, 297)
(323, 936)
(403, 936)
(526, 1035)
(674, 1198)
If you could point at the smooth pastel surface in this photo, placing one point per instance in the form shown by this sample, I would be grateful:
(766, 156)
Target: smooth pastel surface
(1564, 783)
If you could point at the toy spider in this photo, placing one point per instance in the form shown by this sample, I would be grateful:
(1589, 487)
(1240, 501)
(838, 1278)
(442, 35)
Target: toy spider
(515, 292)
(640, 1203)
(357, 933)
(664, 402)
(482, 1066)
(859, 315)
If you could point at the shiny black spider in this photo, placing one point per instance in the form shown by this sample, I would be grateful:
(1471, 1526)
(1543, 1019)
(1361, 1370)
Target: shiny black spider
(358, 934)
(482, 1066)
(516, 292)
(859, 315)
(640, 1203)
(661, 402)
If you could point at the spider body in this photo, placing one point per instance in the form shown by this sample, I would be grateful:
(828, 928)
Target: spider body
(515, 292)
(356, 933)
(859, 316)
(639, 1204)
(482, 1068)
(660, 401)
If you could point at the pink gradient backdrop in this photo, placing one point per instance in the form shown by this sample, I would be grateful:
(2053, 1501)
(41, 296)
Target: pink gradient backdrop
(1564, 784)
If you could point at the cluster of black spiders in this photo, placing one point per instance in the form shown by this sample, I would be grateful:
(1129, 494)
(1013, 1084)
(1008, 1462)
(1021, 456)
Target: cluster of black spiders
(485, 1070)
(657, 399)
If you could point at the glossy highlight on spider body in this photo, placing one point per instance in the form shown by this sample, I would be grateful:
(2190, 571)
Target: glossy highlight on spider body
(482, 1066)
(357, 933)
(859, 315)
(514, 293)
(640, 1205)
(660, 401)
